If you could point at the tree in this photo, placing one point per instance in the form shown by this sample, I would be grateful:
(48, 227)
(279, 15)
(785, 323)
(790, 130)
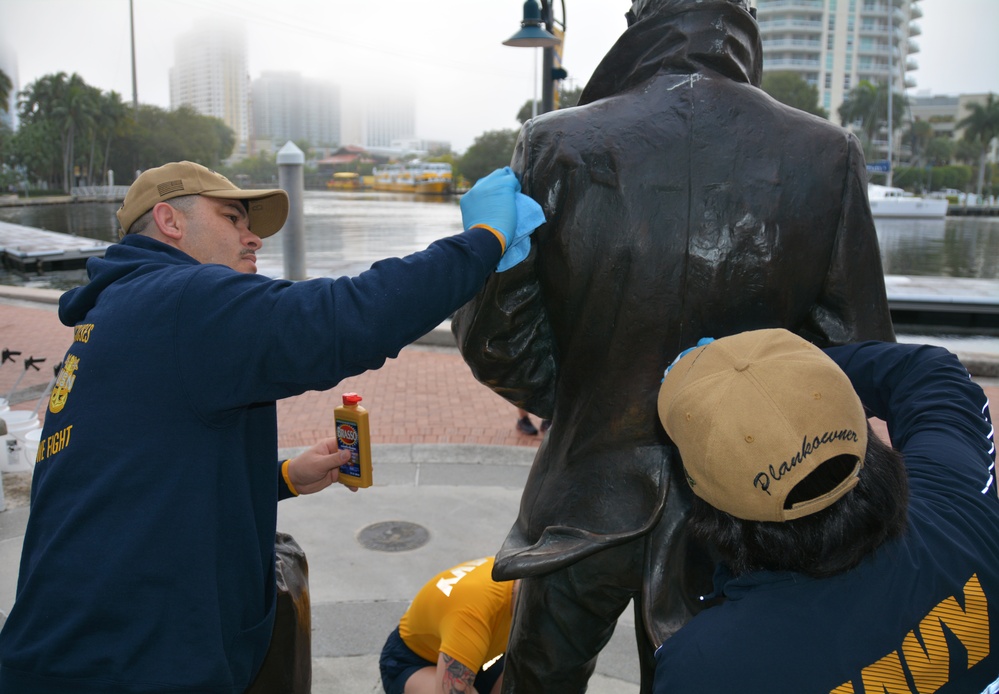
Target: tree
(939, 151)
(981, 126)
(918, 137)
(36, 147)
(69, 105)
(966, 151)
(860, 106)
(491, 150)
(5, 86)
(528, 110)
(153, 136)
(113, 114)
(261, 168)
(867, 104)
(791, 88)
(8, 175)
(567, 99)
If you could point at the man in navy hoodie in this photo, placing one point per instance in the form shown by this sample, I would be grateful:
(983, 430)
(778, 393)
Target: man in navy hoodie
(148, 559)
(849, 565)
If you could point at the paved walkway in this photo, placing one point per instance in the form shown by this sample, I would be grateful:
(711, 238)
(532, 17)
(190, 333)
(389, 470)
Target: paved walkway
(448, 459)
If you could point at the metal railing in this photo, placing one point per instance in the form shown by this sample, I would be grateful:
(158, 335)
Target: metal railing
(99, 192)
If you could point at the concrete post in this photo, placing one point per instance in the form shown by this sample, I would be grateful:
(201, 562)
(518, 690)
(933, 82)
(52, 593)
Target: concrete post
(291, 177)
(3, 433)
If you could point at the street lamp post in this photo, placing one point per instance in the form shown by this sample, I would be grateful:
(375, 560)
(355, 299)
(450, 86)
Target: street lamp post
(547, 62)
(536, 32)
(131, 25)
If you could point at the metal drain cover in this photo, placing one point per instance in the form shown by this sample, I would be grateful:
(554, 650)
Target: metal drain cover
(393, 536)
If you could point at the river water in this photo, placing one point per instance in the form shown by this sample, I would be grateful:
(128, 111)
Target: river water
(345, 232)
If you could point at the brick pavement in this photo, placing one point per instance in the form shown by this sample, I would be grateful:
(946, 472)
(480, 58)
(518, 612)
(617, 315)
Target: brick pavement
(426, 395)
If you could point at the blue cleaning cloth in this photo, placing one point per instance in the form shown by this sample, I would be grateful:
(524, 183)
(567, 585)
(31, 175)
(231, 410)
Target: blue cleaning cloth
(529, 217)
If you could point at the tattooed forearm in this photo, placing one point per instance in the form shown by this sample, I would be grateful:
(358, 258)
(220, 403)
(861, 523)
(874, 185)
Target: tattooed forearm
(457, 679)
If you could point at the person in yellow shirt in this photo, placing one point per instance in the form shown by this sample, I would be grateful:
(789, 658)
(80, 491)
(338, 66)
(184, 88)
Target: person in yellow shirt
(453, 635)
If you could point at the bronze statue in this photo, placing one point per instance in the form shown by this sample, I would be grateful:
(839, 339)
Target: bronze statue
(682, 202)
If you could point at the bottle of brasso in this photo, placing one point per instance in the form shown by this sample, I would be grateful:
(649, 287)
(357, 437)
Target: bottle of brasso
(352, 434)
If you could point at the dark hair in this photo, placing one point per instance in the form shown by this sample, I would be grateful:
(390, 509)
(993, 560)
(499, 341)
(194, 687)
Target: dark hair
(822, 544)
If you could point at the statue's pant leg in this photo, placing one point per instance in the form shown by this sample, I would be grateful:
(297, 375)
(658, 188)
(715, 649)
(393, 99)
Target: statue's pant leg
(563, 619)
(678, 569)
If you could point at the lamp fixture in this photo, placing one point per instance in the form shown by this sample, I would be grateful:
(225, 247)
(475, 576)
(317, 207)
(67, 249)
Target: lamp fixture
(532, 34)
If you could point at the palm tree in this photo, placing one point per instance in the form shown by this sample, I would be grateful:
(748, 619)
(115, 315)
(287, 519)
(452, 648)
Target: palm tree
(981, 127)
(792, 89)
(35, 107)
(77, 114)
(69, 105)
(112, 114)
(868, 104)
(919, 136)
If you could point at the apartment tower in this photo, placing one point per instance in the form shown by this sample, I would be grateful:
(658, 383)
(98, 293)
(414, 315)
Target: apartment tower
(210, 74)
(287, 106)
(836, 44)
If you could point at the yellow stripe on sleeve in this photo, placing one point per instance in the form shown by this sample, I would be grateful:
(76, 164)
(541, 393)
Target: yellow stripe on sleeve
(287, 479)
(498, 234)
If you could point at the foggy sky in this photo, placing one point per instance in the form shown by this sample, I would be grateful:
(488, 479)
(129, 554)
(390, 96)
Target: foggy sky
(449, 55)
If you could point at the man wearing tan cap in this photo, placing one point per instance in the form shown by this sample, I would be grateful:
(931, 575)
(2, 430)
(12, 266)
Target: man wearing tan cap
(148, 561)
(847, 566)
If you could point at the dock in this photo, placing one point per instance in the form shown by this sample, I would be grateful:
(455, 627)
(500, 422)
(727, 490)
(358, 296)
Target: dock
(964, 304)
(973, 210)
(29, 250)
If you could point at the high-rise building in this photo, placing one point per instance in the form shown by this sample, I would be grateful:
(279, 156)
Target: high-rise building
(377, 120)
(287, 106)
(321, 105)
(210, 74)
(8, 64)
(836, 44)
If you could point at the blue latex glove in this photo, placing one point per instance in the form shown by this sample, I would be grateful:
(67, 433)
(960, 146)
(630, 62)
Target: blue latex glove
(529, 217)
(496, 203)
(700, 343)
(491, 203)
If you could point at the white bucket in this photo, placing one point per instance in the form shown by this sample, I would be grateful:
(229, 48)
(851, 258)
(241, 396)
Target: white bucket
(31, 440)
(19, 422)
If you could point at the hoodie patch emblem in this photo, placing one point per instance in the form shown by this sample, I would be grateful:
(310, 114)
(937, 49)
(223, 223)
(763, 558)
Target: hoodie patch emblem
(63, 386)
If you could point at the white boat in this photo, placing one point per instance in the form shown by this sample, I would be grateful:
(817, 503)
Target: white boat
(895, 202)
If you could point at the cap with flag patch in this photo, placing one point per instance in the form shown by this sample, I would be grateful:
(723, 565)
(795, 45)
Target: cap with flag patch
(267, 210)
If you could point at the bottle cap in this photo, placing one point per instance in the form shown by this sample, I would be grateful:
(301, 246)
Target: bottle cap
(351, 398)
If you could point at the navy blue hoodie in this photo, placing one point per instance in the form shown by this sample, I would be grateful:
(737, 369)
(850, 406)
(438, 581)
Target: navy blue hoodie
(148, 559)
(920, 614)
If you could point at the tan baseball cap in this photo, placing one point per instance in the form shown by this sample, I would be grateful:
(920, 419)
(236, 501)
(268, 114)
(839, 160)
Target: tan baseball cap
(756, 413)
(267, 209)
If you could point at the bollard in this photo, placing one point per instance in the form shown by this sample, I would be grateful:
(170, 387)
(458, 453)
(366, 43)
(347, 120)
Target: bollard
(3, 501)
(291, 177)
